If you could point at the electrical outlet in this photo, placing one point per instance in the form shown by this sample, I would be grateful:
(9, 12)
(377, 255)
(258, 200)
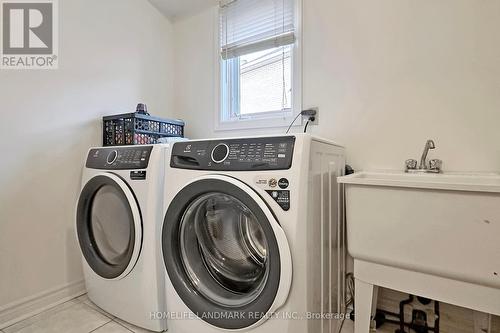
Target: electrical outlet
(308, 113)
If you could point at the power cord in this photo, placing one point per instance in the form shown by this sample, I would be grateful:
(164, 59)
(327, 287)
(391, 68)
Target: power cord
(350, 289)
(293, 122)
(311, 113)
(307, 124)
(349, 298)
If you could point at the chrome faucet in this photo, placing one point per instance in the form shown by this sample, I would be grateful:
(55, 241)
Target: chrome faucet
(434, 165)
(428, 145)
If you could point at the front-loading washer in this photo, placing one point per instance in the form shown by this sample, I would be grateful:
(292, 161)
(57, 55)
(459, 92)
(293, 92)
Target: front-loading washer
(118, 222)
(251, 236)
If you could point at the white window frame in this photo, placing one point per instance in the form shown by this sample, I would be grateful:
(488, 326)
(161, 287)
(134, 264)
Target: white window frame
(264, 120)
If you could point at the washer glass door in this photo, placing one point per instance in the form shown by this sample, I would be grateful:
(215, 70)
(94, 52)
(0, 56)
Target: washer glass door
(224, 250)
(223, 233)
(108, 224)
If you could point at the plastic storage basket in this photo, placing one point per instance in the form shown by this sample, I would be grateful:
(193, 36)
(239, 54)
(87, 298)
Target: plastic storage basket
(138, 129)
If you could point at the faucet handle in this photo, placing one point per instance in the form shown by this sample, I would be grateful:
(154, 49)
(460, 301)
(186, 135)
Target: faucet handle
(435, 164)
(411, 164)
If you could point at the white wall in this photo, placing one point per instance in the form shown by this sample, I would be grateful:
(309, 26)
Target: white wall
(386, 75)
(113, 54)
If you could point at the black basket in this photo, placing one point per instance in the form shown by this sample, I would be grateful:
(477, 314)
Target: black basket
(138, 129)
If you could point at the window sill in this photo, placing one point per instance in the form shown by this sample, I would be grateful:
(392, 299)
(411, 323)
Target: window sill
(246, 124)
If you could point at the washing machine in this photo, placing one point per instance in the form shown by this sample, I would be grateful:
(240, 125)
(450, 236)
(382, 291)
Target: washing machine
(118, 223)
(251, 240)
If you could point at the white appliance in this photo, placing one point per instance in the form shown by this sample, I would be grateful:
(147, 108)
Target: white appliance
(250, 238)
(118, 220)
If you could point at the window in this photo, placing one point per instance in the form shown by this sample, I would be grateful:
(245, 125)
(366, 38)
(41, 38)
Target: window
(259, 77)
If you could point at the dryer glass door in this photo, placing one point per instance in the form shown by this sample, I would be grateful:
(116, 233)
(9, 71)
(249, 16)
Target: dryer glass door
(108, 225)
(222, 253)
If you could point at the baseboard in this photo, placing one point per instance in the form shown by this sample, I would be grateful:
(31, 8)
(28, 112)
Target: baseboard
(30, 306)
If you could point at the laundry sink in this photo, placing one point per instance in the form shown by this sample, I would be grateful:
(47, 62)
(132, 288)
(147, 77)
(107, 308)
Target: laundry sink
(445, 225)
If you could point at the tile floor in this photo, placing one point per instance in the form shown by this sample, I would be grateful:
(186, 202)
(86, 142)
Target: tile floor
(387, 328)
(80, 315)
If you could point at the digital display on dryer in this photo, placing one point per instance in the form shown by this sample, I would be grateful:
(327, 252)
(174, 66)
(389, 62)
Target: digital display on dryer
(272, 153)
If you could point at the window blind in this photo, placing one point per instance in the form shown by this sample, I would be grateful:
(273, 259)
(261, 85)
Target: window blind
(248, 26)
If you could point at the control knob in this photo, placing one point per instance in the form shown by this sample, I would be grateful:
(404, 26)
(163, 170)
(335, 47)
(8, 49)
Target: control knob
(220, 153)
(112, 156)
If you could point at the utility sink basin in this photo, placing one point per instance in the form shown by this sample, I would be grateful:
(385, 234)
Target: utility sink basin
(445, 225)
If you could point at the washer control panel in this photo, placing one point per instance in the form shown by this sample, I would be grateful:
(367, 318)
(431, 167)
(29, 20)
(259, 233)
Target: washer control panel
(117, 158)
(270, 153)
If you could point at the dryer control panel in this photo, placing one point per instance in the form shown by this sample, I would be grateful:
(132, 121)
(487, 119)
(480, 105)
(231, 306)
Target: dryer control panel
(119, 158)
(269, 153)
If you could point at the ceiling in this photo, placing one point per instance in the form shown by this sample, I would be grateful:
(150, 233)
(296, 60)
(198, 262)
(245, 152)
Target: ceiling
(178, 8)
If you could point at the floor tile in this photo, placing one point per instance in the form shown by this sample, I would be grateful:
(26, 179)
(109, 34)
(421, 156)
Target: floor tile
(388, 328)
(131, 327)
(47, 313)
(84, 299)
(348, 327)
(78, 318)
(112, 327)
